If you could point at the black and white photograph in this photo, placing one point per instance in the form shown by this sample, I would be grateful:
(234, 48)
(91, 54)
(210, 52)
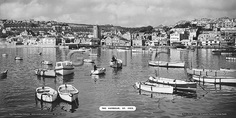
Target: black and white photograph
(117, 58)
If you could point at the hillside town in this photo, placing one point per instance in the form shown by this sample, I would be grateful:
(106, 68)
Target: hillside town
(203, 32)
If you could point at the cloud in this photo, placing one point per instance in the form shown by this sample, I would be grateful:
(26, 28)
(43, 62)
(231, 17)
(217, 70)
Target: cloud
(117, 12)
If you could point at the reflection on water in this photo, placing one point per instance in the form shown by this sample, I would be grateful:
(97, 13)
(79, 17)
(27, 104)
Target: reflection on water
(57, 105)
(17, 90)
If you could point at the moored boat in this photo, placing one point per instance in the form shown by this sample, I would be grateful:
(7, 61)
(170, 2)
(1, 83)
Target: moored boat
(89, 60)
(116, 64)
(4, 55)
(68, 92)
(224, 51)
(173, 82)
(46, 62)
(46, 94)
(45, 72)
(230, 58)
(215, 80)
(167, 64)
(209, 72)
(93, 54)
(98, 71)
(157, 88)
(18, 58)
(228, 69)
(64, 68)
(3, 74)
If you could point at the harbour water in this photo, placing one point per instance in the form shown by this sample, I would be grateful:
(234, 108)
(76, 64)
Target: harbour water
(115, 88)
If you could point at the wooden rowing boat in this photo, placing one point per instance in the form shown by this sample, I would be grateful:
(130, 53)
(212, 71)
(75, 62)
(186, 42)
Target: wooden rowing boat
(157, 88)
(209, 72)
(167, 64)
(68, 92)
(45, 72)
(173, 82)
(98, 71)
(46, 94)
(215, 80)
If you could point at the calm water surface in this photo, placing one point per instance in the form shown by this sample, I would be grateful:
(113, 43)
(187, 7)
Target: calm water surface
(115, 88)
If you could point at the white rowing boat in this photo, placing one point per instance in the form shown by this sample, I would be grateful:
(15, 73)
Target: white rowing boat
(167, 64)
(45, 72)
(228, 69)
(89, 60)
(209, 72)
(46, 62)
(173, 82)
(46, 94)
(157, 88)
(68, 92)
(98, 71)
(215, 80)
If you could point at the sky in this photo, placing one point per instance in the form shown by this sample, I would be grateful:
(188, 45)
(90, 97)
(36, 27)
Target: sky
(126, 13)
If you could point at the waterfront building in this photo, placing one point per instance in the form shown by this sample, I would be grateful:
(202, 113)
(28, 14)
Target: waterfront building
(209, 38)
(49, 41)
(228, 35)
(116, 40)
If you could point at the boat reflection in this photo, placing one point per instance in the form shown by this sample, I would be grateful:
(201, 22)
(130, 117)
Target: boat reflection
(95, 78)
(57, 105)
(116, 71)
(65, 78)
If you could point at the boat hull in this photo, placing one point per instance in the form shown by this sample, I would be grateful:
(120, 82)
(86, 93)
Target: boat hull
(167, 64)
(173, 82)
(98, 71)
(154, 88)
(47, 62)
(68, 92)
(208, 72)
(88, 60)
(215, 80)
(47, 94)
(45, 73)
(64, 71)
(117, 64)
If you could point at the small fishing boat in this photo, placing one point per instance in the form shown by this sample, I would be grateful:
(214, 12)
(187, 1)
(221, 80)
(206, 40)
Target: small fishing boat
(228, 69)
(68, 92)
(45, 72)
(18, 58)
(64, 67)
(4, 55)
(3, 74)
(98, 71)
(93, 54)
(230, 58)
(116, 64)
(215, 80)
(167, 64)
(89, 60)
(152, 87)
(209, 72)
(46, 62)
(46, 94)
(173, 82)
